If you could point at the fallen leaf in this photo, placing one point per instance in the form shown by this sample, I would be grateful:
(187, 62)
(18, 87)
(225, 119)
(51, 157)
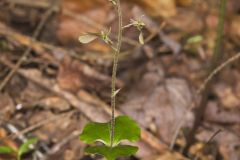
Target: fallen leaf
(74, 75)
(164, 8)
(227, 97)
(218, 115)
(151, 102)
(167, 156)
(184, 3)
(186, 18)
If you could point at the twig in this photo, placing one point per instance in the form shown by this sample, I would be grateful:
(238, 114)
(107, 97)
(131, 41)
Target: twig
(36, 33)
(209, 141)
(66, 140)
(33, 127)
(216, 71)
(213, 136)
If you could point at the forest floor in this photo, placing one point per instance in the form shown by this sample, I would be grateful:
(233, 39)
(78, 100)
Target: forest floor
(51, 85)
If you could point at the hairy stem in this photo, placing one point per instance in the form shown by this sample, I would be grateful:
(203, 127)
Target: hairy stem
(114, 70)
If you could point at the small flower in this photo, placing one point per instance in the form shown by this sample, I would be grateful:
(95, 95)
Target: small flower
(105, 36)
(138, 23)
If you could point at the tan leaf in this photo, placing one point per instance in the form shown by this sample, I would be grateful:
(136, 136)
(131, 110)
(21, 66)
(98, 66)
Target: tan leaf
(141, 38)
(87, 38)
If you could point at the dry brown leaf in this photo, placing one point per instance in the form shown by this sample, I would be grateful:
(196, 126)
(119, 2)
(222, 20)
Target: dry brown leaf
(227, 97)
(167, 156)
(187, 21)
(74, 75)
(218, 115)
(54, 102)
(184, 3)
(234, 26)
(164, 8)
(151, 102)
(6, 106)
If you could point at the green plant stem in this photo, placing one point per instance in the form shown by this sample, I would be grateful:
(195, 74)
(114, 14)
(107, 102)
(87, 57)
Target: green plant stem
(220, 31)
(114, 71)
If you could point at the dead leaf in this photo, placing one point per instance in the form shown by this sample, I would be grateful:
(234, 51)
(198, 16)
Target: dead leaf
(234, 27)
(167, 156)
(6, 106)
(184, 3)
(154, 101)
(164, 8)
(218, 115)
(87, 38)
(186, 18)
(227, 96)
(74, 75)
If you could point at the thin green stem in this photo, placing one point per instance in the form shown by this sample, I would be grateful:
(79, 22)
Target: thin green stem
(114, 70)
(220, 31)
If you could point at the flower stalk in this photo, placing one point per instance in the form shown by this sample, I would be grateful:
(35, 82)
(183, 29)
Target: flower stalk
(114, 69)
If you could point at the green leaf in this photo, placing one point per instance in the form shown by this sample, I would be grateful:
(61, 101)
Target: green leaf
(195, 39)
(6, 150)
(125, 129)
(113, 153)
(141, 39)
(96, 132)
(87, 38)
(24, 148)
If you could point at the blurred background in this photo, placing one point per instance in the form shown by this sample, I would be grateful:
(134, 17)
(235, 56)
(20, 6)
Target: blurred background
(51, 85)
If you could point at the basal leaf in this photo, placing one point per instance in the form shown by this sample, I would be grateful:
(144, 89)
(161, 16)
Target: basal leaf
(96, 132)
(6, 150)
(125, 129)
(113, 153)
(24, 148)
(87, 38)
